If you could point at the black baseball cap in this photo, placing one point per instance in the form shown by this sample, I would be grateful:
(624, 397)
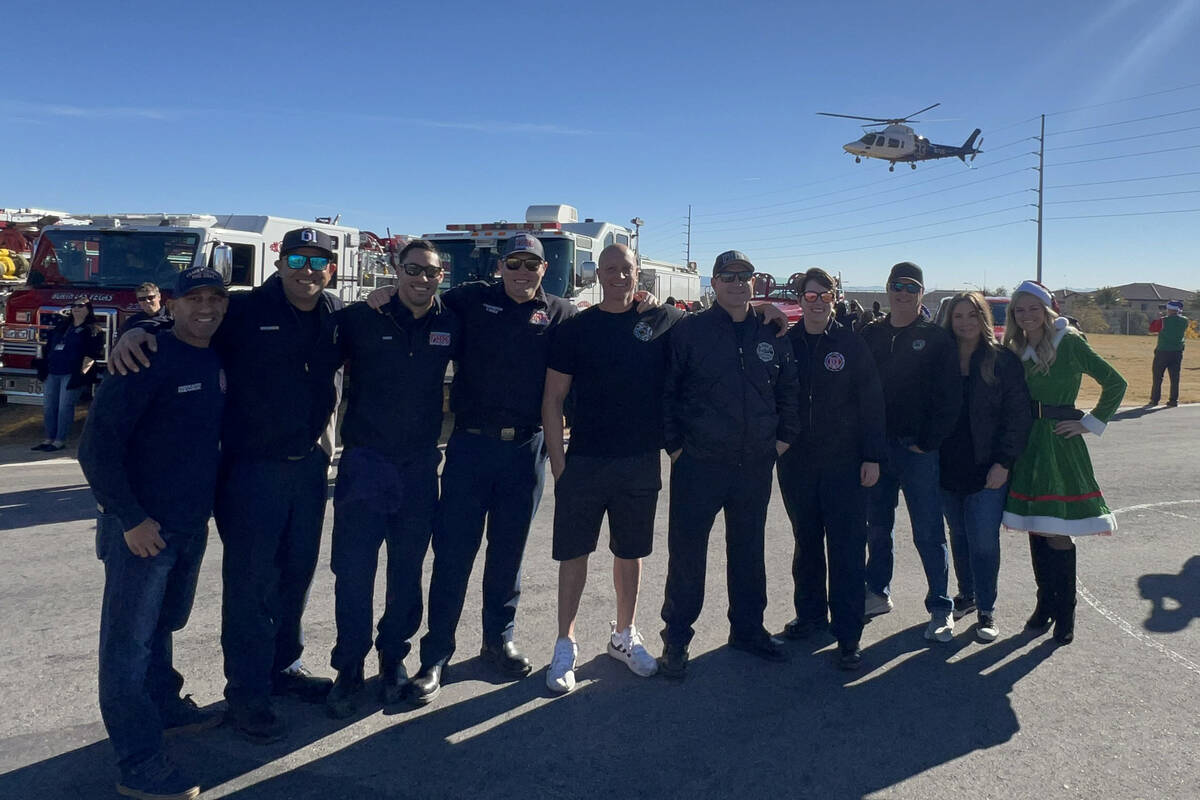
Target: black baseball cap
(730, 259)
(308, 237)
(196, 277)
(524, 243)
(906, 270)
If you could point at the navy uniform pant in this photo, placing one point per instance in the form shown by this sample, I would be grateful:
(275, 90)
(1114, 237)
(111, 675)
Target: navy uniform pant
(145, 601)
(699, 490)
(1170, 363)
(269, 516)
(486, 481)
(826, 504)
(380, 500)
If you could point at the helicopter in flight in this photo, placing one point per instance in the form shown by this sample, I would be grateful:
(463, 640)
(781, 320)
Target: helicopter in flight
(897, 142)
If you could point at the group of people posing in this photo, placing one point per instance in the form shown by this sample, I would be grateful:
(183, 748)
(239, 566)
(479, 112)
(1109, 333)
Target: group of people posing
(231, 412)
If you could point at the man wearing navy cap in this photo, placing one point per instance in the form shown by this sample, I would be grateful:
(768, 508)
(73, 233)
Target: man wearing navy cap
(495, 459)
(278, 348)
(150, 452)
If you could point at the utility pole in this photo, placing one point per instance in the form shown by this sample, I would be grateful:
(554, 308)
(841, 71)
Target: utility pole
(687, 251)
(1041, 183)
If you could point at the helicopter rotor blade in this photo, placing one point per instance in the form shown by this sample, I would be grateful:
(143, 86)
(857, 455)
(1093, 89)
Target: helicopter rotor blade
(851, 116)
(922, 111)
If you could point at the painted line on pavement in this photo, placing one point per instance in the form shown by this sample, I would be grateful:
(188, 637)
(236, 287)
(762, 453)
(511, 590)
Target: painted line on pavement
(1125, 626)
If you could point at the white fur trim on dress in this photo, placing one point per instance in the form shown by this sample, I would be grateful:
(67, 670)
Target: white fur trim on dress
(1060, 328)
(1093, 425)
(1067, 527)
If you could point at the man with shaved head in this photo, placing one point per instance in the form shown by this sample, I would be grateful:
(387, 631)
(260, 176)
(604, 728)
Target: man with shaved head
(615, 356)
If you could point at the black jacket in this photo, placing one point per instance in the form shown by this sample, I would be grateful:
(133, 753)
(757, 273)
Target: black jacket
(841, 401)
(999, 414)
(397, 366)
(501, 370)
(918, 367)
(91, 345)
(726, 398)
(281, 375)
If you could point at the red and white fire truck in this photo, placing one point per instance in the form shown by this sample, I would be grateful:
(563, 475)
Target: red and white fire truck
(471, 252)
(106, 257)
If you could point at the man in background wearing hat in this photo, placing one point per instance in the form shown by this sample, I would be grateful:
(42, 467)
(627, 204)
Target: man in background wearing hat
(918, 367)
(730, 408)
(150, 451)
(277, 346)
(1168, 353)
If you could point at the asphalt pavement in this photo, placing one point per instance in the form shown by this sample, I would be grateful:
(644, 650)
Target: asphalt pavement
(1113, 715)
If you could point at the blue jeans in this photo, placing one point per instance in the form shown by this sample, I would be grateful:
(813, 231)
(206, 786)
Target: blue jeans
(378, 501)
(58, 407)
(699, 491)
(269, 516)
(974, 522)
(918, 475)
(145, 600)
(484, 480)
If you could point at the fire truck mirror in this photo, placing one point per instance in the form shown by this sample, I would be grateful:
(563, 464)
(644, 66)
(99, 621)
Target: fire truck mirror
(587, 274)
(222, 261)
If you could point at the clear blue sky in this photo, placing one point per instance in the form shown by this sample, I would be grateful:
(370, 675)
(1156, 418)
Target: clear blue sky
(416, 115)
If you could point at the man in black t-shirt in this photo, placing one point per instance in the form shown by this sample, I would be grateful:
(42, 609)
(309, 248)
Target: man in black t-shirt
(615, 358)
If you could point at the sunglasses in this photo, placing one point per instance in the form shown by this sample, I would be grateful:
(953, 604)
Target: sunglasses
(812, 297)
(730, 277)
(145, 298)
(903, 286)
(413, 270)
(531, 264)
(315, 263)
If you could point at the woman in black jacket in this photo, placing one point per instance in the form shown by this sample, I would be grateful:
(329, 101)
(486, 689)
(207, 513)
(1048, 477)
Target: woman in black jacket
(70, 350)
(823, 476)
(992, 431)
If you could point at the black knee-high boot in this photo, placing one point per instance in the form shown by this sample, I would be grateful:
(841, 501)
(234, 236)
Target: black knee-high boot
(1064, 596)
(1039, 554)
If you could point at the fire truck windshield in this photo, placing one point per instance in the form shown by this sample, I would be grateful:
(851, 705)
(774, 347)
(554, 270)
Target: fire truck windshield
(87, 257)
(465, 260)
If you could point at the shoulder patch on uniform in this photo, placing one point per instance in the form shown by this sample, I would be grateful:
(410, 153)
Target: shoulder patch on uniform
(643, 331)
(835, 362)
(918, 344)
(766, 351)
(439, 338)
(539, 318)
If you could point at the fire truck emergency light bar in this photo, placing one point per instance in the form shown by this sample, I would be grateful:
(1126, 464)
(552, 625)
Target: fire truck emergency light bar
(507, 226)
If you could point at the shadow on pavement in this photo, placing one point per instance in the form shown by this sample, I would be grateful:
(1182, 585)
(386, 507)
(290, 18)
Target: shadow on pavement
(1136, 413)
(46, 506)
(1183, 593)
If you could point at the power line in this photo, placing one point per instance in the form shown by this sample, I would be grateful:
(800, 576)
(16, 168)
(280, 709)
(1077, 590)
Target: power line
(893, 244)
(1123, 100)
(1123, 180)
(1132, 214)
(1190, 128)
(1126, 155)
(1125, 121)
(1124, 197)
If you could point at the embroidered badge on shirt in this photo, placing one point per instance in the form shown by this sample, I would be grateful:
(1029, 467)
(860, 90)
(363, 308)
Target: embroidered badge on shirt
(439, 338)
(491, 309)
(268, 327)
(539, 318)
(386, 338)
(918, 344)
(766, 352)
(190, 387)
(642, 331)
(835, 362)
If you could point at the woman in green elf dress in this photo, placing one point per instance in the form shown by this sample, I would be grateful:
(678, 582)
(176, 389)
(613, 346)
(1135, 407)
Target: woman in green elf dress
(1053, 493)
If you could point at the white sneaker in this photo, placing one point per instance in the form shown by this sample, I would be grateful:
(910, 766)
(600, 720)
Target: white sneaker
(627, 646)
(941, 627)
(876, 604)
(560, 676)
(986, 630)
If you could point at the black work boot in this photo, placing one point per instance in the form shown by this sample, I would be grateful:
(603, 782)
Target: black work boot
(393, 680)
(1064, 611)
(342, 700)
(1039, 554)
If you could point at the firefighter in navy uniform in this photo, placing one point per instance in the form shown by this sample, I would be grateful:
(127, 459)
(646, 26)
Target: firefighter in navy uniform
(387, 477)
(277, 346)
(495, 459)
(730, 409)
(150, 452)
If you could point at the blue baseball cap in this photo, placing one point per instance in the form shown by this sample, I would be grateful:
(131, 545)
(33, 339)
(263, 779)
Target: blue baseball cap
(196, 277)
(308, 237)
(524, 243)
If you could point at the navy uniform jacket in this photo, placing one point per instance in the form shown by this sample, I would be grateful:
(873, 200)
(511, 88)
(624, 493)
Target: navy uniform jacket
(729, 398)
(841, 401)
(397, 366)
(282, 387)
(501, 370)
(151, 445)
(918, 367)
